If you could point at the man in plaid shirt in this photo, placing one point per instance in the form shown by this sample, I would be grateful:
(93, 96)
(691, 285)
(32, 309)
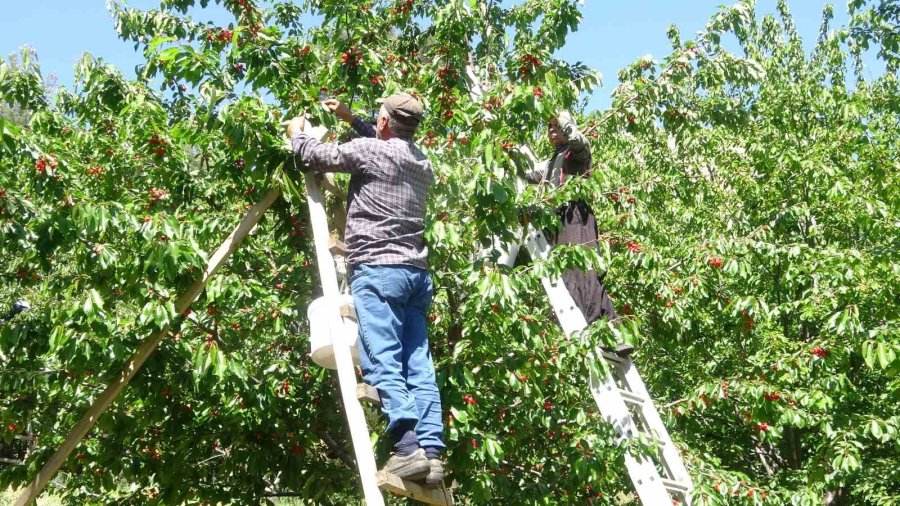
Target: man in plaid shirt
(391, 285)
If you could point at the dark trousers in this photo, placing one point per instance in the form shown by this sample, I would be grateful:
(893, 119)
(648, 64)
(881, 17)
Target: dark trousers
(580, 227)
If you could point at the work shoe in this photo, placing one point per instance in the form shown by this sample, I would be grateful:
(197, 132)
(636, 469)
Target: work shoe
(411, 467)
(435, 478)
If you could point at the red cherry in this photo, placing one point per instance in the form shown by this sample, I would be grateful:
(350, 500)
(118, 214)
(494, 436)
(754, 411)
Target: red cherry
(548, 406)
(820, 352)
(762, 427)
(495, 309)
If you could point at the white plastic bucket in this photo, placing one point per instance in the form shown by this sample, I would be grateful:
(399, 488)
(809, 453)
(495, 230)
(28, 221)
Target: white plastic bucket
(320, 313)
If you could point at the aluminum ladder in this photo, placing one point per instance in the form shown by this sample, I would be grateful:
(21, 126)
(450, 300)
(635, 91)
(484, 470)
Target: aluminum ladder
(623, 400)
(621, 396)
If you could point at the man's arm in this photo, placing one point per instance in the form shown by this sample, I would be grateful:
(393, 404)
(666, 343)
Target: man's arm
(579, 146)
(324, 157)
(537, 175)
(340, 110)
(362, 127)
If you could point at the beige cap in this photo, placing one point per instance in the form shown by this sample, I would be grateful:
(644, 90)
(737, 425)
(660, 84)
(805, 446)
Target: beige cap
(404, 108)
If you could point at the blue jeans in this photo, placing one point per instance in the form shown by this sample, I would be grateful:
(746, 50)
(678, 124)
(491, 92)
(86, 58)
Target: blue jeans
(392, 303)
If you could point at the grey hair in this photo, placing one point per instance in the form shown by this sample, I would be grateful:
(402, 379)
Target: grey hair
(398, 128)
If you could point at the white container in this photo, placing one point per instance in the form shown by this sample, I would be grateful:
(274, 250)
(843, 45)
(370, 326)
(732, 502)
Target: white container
(320, 313)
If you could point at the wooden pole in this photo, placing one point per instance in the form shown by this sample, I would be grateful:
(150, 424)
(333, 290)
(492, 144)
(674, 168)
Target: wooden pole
(144, 350)
(356, 419)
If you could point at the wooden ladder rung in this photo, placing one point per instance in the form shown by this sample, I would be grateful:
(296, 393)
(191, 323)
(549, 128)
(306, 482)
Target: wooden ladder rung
(337, 247)
(394, 484)
(367, 393)
(347, 311)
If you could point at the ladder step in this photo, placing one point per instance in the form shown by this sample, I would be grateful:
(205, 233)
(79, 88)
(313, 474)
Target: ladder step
(367, 393)
(347, 311)
(337, 247)
(675, 486)
(612, 357)
(631, 398)
(395, 484)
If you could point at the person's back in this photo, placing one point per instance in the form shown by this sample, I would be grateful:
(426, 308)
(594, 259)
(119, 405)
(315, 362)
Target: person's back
(386, 213)
(389, 278)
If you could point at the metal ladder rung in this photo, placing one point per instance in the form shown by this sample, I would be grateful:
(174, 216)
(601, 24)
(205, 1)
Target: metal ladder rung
(613, 358)
(675, 486)
(394, 484)
(631, 398)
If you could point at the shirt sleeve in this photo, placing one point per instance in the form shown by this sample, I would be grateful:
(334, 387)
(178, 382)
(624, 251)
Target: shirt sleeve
(363, 128)
(351, 157)
(579, 147)
(537, 175)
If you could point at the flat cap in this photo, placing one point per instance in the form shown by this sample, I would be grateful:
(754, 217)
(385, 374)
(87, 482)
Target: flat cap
(404, 108)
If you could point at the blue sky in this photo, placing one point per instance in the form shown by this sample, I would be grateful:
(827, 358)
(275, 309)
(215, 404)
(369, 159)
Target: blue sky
(612, 34)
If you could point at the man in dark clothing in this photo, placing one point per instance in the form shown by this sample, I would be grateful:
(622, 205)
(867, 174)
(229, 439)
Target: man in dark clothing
(572, 158)
(391, 286)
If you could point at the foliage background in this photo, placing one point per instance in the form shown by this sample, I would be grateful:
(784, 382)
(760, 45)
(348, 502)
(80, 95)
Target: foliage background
(747, 202)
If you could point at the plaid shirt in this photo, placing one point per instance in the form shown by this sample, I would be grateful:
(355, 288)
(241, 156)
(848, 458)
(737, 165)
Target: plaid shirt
(386, 200)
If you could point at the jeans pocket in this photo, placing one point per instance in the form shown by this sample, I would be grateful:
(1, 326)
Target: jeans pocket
(394, 284)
